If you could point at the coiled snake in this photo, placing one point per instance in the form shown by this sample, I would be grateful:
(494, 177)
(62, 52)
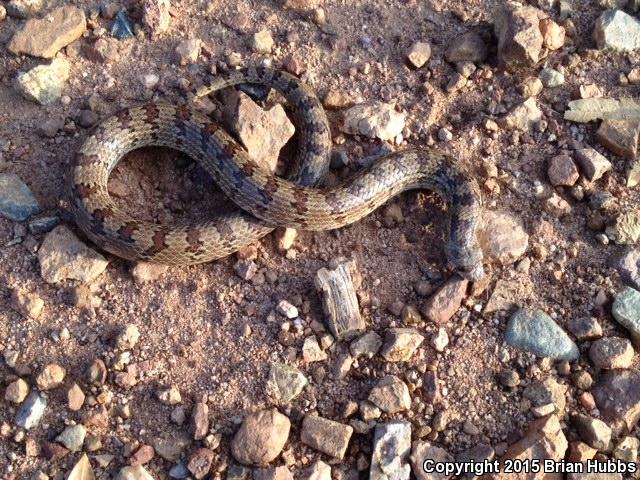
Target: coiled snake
(266, 201)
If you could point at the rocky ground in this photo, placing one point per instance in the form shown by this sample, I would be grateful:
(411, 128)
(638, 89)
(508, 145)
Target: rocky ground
(233, 369)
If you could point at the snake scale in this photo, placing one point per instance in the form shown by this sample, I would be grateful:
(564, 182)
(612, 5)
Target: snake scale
(265, 200)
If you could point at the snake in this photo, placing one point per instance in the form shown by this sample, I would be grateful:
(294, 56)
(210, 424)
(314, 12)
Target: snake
(265, 201)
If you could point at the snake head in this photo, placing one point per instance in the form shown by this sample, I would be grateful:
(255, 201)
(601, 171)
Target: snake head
(466, 260)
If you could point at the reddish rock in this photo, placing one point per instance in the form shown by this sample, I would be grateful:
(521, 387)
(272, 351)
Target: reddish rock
(562, 171)
(143, 455)
(445, 302)
(200, 462)
(620, 137)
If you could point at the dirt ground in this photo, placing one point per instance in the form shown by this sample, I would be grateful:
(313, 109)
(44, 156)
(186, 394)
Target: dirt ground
(194, 319)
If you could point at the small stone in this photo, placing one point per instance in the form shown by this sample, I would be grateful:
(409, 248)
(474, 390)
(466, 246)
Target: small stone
(367, 345)
(285, 237)
(628, 266)
(549, 391)
(562, 171)
(400, 344)
(617, 30)
(505, 296)
(523, 117)
(72, 437)
(585, 328)
(171, 448)
(188, 51)
(62, 256)
(87, 118)
(260, 438)
(502, 237)
(626, 228)
(627, 449)
(144, 272)
(136, 472)
(551, 78)
(594, 432)
(620, 137)
(445, 135)
(143, 455)
(553, 35)
(589, 90)
(245, 269)
(509, 378)
(391, 449)
(169, 396)
(44, 84)
(582, 380)
(31, 411)
(580, 452)
(391, 395)
(27, 304)
(262, 41)
(75, 398)
(531, 87)
(200, 420)
(16, 391)
(50, 377)
(285, 383)
(326, 436)
(468, 47)
(17, 203)
(128, 338)
(311, 351)
(122, 27)
(374, 120)
(544, 440)
(200, 462)
(44, 37)
(611, 352)
(155, 15)
(440, 340)
(419, 54)
(617, 396)
(446, 301)
(97, 372)
(423, 451)
(535, 331)
(287, 310)
(3, 13)
(335, 99)
(519, 37)
(592, 163)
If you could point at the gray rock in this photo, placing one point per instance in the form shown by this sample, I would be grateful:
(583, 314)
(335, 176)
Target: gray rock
(480, 453)
(31, 411)
(592, 431)
(326, 436)
(16, 200)
(285, 382)
(43, 225)
(585, 328)
(628, 266)
(617, 396)
(72, 437)
(536, 332)
(318, 471)
(179, 471)
(400, 344)
(617, 30)
(391, 395)
(522, 117)
(44, 84)
(551, 78)
(367, 345)
(63, 256)
(592, 163)
(466, 48)
(611, 352)
(25, 8)
(626, 311)
(391, 449)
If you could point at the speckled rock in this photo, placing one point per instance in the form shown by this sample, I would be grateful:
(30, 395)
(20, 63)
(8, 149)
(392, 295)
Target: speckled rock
(502, 237)
(551, 77)
(329, 437)
(626, 229)
(16, 200)
(44, 84)
(400, 344)
(423, 451)
(391, 395)
(536, 332)
(63, 256)
(626, 311)
(375, 120)
(617, 30)
(156, 15)
(285, 382)
(617, 396)
(261, 437)
(31, 411)
(523, 116)
(391, 449)
(562, 171)
(611, 352)
(592, 430)
(419, 54)
(592, 163)
(72, 437)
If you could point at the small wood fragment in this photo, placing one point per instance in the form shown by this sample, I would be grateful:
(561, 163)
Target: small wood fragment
(339, 299)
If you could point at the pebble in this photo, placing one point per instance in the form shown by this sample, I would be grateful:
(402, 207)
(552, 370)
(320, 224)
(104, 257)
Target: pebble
(245, 269)
(423, 451)
(72, 437)
(628, 266)
(200, 462)
(443, 304)
(536, 332)
(374, 120)
(97, 372)
(171, 447)
(522, 117)
(391, 449)
(155, 15)
(509, 378)
(311, 350)
(144, 272)
(44, 37)
(27, 304)
(287, 310)
(169, 396)
(51, 376)
(326, 436)
(585, 328)
(611, 352)
(188, 51)
(620, 137)
(122, 27)
(200, 420)
(553, 35)
(367, 345)
(551, 78)
(31, 411)
(549, 391)
(318, 471)
(262, 41)
(261, 437)
(16, 200)
(63, 256)
(285, 382)
(419, 54)
(480, 453)
(520, 40)
(136, 472)
(75, 398)
(502, 237)
(617, 30)
(337, 98)
(562, 171)
(179, 472)
(468, 47)
(301, 4)
(582, 380)
(445, 135)
(531, 87)
(391, 395)
(143, 455)
(440, 340)
(3, 13)
(592, 431)
(617, 396)
(626, 228)
(400, 344)
(16, 391)
(592, 163)
(503, 297)
(580, 452)
(285, 237)
(128, 337)
(44, 83)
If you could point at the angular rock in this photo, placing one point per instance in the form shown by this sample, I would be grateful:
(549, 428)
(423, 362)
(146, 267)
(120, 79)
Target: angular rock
(617, 396)
(27, 304)
(620, 137)
(626, 228)
(16, 391)
(419, 54)
(75, 398)
(519, 36)
(611, 352)
(391, 449)
(562, 171)
(592, 163)
(592, 431)
(51, 376)
(44, 83)
(262, 41)
(283, 473)
(62, 256)
(31, 411)
(374, 120)
(200, 420)
(311, 350)
(25, 8)
(326, 436)
(423, 451)
(391, 395)
(137, 472)
(170, 448)
(155, 15)
(551, 77)
(188, 51)
(16, 200)
(547, 392)
(367, 345)
(585, 328)
(544, 440)
(72, 437)
(617, 30)
(44, 37)
(285, 383)
(400, 344)
(536, 332)
(122, 27)
(444, 304)
(553, 35)
(261, 437)
(504, 296)
(318, 471)
(468, 47)
(200, 462)
(523, 117)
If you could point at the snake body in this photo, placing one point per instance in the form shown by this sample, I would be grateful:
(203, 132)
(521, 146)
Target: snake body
(265, 200)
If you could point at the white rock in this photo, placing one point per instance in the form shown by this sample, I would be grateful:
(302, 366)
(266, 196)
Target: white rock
(374, 120)
(391, 448)
(44, 84)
